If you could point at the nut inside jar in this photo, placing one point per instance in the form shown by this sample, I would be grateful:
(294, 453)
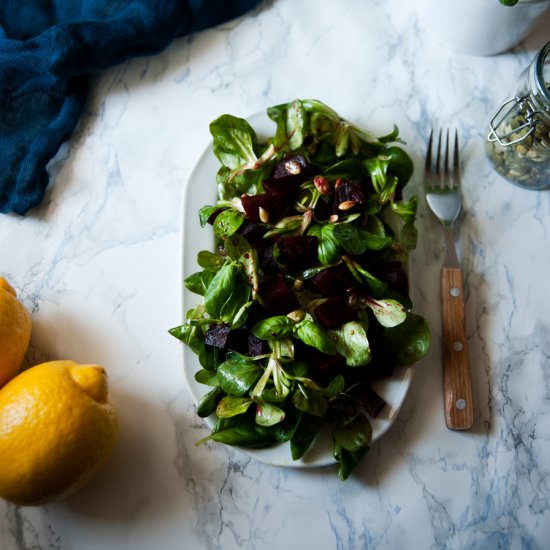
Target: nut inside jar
(525, 158)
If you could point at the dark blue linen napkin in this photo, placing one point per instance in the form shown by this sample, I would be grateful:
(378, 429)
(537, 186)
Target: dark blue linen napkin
(47, 50)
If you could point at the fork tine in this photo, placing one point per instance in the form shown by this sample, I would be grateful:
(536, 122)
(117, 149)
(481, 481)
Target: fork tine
(447, 175)
(443, 171)
(456, 161)
(428, 165)
(441, 185)
(439, 177)
(447, 152)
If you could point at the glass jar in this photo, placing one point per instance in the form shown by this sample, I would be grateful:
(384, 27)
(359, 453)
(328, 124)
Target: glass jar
(518, 144)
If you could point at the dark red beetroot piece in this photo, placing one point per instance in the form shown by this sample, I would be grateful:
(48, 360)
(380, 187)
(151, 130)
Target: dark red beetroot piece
(326, 283)
(348, 192)
(252, 232)
(295, 166)
(333, 280)
(278, 297)
(347, 280)
(272, 205)
(298, 251)
(257, 346)
(217, 335)
(282, 188)
(287, 176)
(368, 400)
(221, 336)
(327, 366)
(267, 261)
(333, 312)
(394, 274)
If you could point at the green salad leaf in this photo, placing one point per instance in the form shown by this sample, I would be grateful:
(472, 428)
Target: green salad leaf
(234, 142)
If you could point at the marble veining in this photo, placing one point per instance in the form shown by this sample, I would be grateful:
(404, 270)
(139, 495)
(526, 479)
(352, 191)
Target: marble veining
(98, 266)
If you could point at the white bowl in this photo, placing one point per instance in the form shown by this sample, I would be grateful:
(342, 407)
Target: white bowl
(479, 27)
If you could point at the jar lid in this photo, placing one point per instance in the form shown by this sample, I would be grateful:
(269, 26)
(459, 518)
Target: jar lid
(532, 106)
(522, 106)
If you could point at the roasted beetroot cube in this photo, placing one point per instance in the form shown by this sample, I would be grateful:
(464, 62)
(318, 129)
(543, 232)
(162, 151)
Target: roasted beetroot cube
(344, 276)
(257, 346)
(326, 283)
(267, 261)
(328, 366)
(298, 251)
(369, 400)
(333, 312)
(283, 188)
(278, 297)
(347, 195)
(251, 231)
(262, 208)
(221, 336)
(394, 274)
(333, 280)
(295, 166)
(218, 335)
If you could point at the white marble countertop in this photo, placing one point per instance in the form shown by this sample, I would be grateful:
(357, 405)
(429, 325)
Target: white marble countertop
(98, 266)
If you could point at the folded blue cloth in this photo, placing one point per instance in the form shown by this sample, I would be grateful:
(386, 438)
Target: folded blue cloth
(47, 49)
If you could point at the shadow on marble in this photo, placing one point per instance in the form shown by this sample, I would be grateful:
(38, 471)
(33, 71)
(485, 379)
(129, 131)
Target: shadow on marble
(132, 484)
(35, 356)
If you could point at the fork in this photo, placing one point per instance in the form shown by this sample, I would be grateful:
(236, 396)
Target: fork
(442, 189)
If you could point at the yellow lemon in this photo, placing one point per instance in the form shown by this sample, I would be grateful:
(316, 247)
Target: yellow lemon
(58, 427)
(15, 332)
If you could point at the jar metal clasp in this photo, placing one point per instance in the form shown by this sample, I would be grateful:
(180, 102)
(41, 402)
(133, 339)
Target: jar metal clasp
(525, 109)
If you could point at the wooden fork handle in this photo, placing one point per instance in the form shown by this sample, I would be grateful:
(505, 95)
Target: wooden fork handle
(457, 376)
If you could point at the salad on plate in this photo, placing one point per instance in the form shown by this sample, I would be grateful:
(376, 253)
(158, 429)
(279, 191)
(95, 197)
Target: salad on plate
(304, 301)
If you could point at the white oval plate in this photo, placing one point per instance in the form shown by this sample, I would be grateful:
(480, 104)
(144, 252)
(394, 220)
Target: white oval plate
(201, 189)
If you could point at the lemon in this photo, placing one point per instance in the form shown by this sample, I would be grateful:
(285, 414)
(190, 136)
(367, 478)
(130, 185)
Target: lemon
(58, 427)
(15, 332)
